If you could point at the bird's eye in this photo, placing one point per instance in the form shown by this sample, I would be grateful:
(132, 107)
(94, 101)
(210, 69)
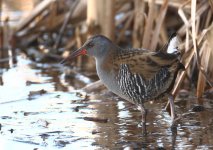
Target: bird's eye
(90, 44)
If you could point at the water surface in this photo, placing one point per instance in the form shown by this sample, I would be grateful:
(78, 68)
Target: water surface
(41, 109)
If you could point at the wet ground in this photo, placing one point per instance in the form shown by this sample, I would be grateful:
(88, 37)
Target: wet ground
(39, 110)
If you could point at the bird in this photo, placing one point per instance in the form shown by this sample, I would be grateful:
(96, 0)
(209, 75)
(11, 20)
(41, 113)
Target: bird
(135, 74)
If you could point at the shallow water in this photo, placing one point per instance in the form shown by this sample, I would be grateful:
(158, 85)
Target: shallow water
(40, 109)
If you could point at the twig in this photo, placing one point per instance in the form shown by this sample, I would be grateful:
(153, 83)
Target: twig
(201, 83)
(36, 12)
(61, 32)
(149, 25)
(137, 30)
(190, 56)
(96, 119)
(194, 35)
(200, 11)
(211, 4)
(171, 3)
(159, 22)
(201, 68)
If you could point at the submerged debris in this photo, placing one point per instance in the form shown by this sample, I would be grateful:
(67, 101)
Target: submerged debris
(61, 143)
(11, 130)
(95, 119)
(197, 108)
(95, 131)
(35, 93)
(31, 82)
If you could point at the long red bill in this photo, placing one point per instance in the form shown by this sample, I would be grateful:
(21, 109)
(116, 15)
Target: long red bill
(74, 54)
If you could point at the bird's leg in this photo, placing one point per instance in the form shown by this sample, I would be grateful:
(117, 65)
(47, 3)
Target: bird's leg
(172, 108)
(144, 113)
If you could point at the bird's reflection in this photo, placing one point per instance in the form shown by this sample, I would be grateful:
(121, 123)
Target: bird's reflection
(174, 136)
(145, 142)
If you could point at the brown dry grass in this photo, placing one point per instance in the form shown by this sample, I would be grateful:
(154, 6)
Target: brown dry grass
(149, 24)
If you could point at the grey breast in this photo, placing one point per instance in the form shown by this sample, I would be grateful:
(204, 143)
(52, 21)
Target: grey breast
(108, 77)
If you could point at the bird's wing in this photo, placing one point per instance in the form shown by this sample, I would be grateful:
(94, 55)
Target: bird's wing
(147, 64)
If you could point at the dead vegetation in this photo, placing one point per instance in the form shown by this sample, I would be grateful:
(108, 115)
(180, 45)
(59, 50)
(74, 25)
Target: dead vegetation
(53, 29)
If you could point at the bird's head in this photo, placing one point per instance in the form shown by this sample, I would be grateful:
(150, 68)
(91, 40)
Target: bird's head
(96, 46)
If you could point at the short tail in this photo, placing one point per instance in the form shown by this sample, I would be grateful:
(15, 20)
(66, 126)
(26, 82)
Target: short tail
(173, 44)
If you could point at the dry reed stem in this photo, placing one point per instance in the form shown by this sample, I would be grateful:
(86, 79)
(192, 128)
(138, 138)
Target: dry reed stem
(194, 36)
(52, 14)
(100, 14)
(194, 17)
(201, 79)
(163, 34)
(201, 83)
(149, 25)
(123, 8)
(67, 18)
(211, 4)
(202, 70)
(202, 74)
(36, 12)
(200, 11)
(209, 39)
(159, 21)
(188, 56)
(138, 22)
(171, 3)
(107, 20)
(208, 19)
(78, 43)
(186, 24)
(182, 14)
